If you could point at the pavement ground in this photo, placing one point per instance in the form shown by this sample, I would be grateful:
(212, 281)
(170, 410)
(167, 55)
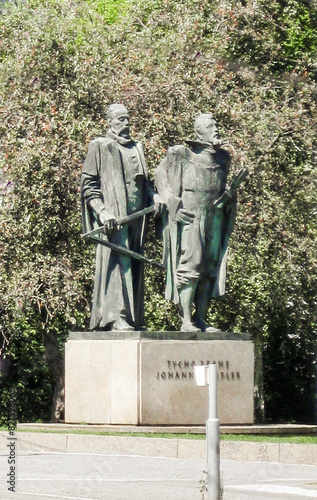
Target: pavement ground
(88, 476)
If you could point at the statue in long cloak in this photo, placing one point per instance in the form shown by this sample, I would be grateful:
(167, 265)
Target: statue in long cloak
(114, 184)
(192, 181)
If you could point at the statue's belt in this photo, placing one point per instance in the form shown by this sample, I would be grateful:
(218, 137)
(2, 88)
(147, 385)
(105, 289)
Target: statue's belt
(93, 236)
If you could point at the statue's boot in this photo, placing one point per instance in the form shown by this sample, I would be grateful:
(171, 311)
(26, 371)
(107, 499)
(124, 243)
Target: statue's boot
(188, 326)
(212, 329)
(204, 327)
(186, 297)
(122, 325)
(202, 302)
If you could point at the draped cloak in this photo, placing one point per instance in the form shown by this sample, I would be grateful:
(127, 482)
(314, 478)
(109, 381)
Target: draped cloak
(119, 280)
(200, 247)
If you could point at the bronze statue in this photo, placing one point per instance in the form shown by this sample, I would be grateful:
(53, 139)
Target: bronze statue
(115, 187)
(192, 181)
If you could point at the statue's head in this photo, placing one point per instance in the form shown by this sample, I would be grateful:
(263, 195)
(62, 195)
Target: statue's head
(206, 129)
(118, 119)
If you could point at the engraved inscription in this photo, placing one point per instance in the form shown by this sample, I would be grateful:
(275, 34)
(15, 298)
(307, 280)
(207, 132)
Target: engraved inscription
(183, 370)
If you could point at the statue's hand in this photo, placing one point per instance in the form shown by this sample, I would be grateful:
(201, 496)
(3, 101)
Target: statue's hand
(159, 204)
(185, 216)
(108, 221)
(239, 178)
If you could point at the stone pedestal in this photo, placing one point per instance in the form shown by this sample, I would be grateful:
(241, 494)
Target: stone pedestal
(147, 378)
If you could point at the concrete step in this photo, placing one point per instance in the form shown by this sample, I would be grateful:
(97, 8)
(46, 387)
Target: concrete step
(287, 453)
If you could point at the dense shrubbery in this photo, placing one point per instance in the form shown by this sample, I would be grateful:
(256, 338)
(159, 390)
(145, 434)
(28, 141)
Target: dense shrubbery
(253, 64)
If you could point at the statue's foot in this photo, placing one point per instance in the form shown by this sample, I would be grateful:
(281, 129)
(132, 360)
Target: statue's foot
(211, 329)
(206, 328)
(188, 326)
(121, 325)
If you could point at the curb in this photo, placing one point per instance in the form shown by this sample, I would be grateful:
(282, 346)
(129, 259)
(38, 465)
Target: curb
(286, 453)
(268, 429)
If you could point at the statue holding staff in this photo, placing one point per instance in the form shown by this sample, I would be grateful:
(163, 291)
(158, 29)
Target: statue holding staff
(116, 196)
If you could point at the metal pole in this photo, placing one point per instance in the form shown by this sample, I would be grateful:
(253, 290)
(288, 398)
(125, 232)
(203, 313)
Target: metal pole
(213, 438)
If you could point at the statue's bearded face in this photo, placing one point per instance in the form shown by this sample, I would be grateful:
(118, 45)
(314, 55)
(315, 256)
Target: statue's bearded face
(208, 132)
(119, 124)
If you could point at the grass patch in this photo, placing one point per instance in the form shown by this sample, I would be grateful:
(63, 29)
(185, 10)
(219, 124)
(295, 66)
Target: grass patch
(270, 439)
(122, 434)
(296, 439)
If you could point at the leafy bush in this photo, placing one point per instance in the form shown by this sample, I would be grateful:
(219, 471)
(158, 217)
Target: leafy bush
(250, 63)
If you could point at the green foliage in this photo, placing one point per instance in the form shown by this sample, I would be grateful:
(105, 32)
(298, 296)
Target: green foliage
(253, 65)
(273, 36)
(110, 9)
(25, 370)
(300, 38)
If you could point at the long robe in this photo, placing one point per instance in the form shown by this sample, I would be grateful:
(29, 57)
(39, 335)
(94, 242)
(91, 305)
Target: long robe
(197, 251)
(119, 280)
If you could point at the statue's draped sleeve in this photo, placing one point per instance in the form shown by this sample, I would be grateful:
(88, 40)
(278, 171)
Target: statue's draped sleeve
(91, 187)
(168, 180)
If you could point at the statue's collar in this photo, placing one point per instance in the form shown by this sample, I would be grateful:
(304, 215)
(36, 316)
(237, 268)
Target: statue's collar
(121, 140)
(206, 146)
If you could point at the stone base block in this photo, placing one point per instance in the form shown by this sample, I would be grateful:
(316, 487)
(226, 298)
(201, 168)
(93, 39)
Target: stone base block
(147, 378)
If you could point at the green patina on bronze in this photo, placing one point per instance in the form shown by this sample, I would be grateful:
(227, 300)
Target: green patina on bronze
(115, 185)
(192, 181)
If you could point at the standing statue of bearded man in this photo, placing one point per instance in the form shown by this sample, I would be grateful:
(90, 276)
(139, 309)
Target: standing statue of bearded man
(115, 184)
(192, 181)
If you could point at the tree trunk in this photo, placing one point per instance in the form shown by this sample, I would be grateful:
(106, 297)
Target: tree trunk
(55, 362)
(259, 409)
